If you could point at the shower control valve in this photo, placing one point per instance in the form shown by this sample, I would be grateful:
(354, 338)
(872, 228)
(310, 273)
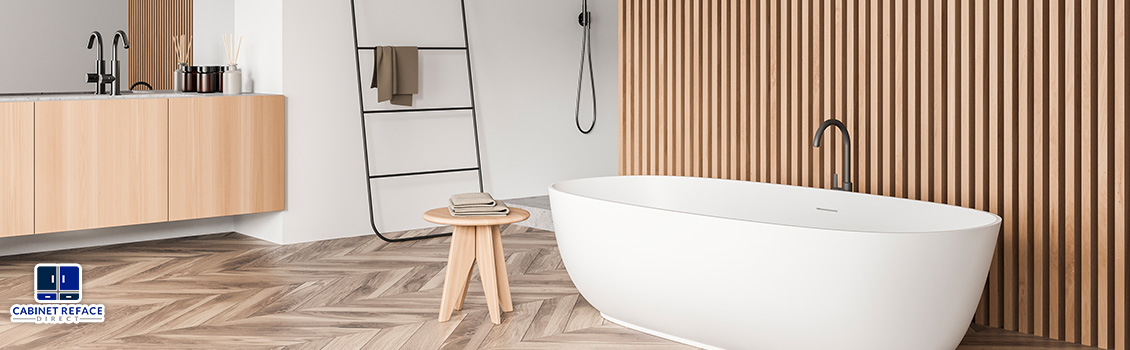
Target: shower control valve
(584, 19)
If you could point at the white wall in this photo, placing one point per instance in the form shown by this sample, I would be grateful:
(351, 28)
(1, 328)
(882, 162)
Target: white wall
(45, 41)
(260, 23)
(210, 20)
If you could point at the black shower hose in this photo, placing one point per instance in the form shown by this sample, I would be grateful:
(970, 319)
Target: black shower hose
(585, 20)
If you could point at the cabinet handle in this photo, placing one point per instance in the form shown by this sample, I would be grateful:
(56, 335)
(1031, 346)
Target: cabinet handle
(63, 278)
(52, 278)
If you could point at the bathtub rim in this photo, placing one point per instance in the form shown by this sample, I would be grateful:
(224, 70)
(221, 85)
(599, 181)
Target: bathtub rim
(997, 220)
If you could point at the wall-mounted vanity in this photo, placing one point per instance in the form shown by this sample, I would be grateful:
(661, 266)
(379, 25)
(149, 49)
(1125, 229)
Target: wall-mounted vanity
(74, 162)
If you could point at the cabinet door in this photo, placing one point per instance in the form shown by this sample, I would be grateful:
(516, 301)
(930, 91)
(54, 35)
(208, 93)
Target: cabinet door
(225, 156)
(46, 283)
(70, 278)
(46, 278)
(100, 163)
(17, 168)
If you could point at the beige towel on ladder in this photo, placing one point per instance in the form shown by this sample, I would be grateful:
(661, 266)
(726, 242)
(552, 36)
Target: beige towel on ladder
(396, 74)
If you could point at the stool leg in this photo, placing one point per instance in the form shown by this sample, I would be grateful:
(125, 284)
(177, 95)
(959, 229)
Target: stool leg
(485, 251)
(459, 262)
(463, 292)
(500, 270)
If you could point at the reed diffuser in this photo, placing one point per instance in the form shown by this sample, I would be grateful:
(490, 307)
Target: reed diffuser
(182, 46)
(233, 77)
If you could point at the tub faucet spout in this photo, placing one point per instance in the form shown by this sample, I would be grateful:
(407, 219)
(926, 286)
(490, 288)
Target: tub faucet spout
(846, 186)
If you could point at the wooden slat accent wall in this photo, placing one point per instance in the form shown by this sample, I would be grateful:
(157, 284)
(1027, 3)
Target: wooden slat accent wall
(1011, 106)
(152, 24)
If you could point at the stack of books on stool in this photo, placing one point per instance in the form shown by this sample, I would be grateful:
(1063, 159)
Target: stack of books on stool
(476, 204)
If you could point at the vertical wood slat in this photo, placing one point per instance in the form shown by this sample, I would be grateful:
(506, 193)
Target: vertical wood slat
(1024, 112)
(666, 64)
(654, 121)
(805, 117)
(982, 151)
(874, 84)
(1040, 171)
(899, 99)
(851, 69)
(794, 96)
(826, 93)
(1095, 297)
(1121, 157)
(837, 79)
(624, 96)
(1011, 106)
(152, 24)
(1105, 227)
(1076, 148)
(996, 181)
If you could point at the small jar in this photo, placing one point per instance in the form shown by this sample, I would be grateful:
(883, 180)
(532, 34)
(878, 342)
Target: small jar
(208, 79)
(190, 78)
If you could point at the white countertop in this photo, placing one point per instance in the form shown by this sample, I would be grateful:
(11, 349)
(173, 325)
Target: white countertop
(36, 97)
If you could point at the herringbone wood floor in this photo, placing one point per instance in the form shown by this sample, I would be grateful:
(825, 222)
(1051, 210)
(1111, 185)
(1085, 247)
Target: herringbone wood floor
(236, 292)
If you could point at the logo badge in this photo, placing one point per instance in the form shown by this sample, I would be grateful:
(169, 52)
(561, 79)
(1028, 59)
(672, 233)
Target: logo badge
(58, 290)
(58, 283)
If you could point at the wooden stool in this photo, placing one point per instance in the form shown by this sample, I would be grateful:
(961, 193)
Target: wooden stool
(476, 237)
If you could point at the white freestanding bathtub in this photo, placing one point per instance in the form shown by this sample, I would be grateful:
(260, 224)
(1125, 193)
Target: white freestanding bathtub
(744, 265)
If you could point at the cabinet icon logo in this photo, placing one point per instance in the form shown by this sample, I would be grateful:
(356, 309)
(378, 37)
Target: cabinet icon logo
(58, 290)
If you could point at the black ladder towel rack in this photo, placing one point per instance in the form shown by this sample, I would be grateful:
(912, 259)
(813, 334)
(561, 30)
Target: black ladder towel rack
(369, 177)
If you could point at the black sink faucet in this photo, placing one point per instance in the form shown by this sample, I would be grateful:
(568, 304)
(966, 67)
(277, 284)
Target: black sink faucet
(847, 152)
(99, 78)
(115, 65)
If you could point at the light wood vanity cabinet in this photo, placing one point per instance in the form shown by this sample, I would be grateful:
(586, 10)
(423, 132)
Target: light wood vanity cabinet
(225, 156)
(17, 171)
(94, 163)
(100, 163)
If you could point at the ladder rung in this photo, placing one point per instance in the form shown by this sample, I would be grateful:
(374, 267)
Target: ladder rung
(409, 110)
(425, 48)
(422, 173)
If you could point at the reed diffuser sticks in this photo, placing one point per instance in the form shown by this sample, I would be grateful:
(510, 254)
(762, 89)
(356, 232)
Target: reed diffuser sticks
(182, 46)
(232, 44)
